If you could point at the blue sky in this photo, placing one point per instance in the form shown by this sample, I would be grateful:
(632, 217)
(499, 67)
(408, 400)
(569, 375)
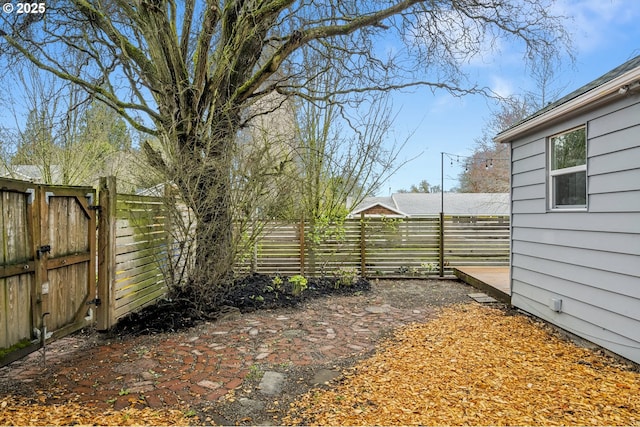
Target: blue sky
(605, 33)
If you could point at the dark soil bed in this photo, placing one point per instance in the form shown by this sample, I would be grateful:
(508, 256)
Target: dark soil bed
(249, 293)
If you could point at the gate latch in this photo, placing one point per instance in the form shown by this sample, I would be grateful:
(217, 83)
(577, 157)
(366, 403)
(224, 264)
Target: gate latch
(95, 301)
(43, 249)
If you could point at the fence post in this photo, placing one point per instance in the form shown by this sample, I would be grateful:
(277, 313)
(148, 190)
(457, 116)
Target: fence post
(441, 244)
(40, 267)
(363, 248)
(254, 256)
(106, 251)
(302, 243)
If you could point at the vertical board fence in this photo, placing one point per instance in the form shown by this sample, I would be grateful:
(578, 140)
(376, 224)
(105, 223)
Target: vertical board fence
(381, 247)
(17, 269)
(47, 264)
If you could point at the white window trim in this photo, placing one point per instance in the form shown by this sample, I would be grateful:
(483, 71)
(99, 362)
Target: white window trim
(551, 173)
(565, 171)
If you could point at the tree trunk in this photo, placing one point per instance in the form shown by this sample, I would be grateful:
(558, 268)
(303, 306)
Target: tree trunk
(205, 183)
(214, 259)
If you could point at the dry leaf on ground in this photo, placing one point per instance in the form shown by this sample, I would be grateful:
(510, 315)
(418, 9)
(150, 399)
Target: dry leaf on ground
(19, 411)
(475, 365)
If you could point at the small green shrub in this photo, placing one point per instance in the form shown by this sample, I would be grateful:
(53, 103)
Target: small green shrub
(299, 284)
(277, 282)
(346, 277)
(255, 373)
(429, 267)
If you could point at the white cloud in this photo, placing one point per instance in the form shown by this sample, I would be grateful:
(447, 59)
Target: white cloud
(441, 103)
(594, 23)
(502, 86)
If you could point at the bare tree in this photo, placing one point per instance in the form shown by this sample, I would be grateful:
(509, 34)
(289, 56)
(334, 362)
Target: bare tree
(337, 157)
(45, 109)
(66, 138)
(487, 169)
(340, 158)
(263, 161)
(187, 72)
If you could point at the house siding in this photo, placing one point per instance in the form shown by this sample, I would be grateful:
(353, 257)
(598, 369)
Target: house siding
(588, 259)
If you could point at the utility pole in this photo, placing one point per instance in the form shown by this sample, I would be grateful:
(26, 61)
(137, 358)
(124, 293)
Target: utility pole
(441, 214)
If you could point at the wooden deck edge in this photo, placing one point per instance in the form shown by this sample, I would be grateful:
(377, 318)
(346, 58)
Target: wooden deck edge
(479, 284)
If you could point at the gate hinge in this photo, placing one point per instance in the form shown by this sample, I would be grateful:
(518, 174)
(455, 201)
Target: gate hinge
(43, 249)
(90, 197)
(96, 301)
(95, 208)
(32, 195)
(48, 195)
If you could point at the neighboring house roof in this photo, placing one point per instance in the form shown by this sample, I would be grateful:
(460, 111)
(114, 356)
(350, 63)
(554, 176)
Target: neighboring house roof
(428, 204)
(156, 191)
(31, 173)
(617, 82)
(374, 203)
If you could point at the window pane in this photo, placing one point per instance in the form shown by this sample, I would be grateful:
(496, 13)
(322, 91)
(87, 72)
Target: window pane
(570, 189)
(569, 149)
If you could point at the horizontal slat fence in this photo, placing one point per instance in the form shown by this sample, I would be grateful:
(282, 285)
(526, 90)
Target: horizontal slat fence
(404, 247)
(339, 250)
(476, 240)
(276, 251)
(384, 247)
(134, 241)
(143, 247)
(141, 250)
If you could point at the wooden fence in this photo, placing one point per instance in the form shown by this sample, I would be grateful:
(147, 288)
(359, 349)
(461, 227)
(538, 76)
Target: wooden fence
(47, 264)
(381, 247)
(48, 254)
(134, 241)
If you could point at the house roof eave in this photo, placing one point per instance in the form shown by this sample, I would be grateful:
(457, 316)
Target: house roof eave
(619, 86)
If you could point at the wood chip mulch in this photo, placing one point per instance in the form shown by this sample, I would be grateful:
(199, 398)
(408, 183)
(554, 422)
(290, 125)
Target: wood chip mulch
(472, 365)
(475, 365)
(15, 411)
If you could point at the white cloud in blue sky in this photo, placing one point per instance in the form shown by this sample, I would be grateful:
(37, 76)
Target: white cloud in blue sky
(597, 23)
(501, 86)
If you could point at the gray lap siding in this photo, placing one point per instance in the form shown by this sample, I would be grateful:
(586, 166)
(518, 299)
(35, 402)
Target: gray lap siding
(590, 259)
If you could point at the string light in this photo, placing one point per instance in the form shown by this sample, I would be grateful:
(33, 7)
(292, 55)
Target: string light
(488, 161)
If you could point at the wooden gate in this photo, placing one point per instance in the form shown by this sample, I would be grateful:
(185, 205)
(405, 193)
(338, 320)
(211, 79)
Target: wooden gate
(47, 264)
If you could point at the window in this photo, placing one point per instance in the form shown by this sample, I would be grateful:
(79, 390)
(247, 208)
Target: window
(568, 169)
